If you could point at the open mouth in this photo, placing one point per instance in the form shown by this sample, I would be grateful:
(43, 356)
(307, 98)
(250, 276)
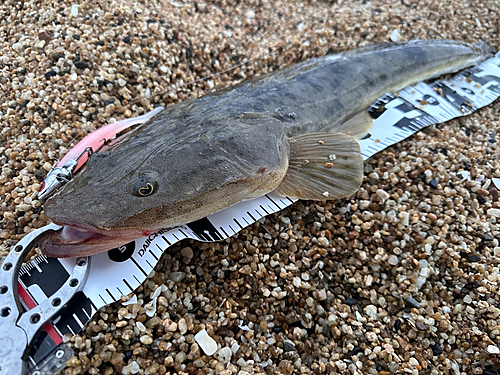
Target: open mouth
(71, 241)
(72, 235)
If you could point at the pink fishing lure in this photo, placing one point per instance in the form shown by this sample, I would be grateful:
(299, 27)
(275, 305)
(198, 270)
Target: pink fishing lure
(98, 137)
(77, 157)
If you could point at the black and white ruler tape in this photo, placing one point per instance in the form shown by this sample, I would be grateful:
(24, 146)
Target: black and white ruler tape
(122, 270)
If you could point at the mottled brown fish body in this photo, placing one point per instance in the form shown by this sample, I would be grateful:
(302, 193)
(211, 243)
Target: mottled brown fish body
(293, 130)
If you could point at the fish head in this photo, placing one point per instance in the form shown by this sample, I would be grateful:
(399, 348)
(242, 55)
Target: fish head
(161, 176)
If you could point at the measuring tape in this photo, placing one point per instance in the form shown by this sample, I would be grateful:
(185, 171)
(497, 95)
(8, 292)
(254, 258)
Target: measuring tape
(120, 271)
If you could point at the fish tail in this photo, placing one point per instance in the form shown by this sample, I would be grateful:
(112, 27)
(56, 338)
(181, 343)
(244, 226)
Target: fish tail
(484, 49)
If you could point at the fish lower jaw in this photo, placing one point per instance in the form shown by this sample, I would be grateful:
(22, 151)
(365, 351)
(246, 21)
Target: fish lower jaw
(72, 241)
(72, 235)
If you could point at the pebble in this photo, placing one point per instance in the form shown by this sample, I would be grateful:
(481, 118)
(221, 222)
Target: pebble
(350, 301)
(206, 343)
(146, 340)
(180, 357)
(24, 207)
(493, 349)
(321, 295)
(371, 311)
(323, 242)
(405, 218)
(182, 326)
(47, 166)
(412, 302)
(235, 347)
(18, 47)
(413, 361)
(289, 346)
(395, 35)
(241, 362)
(132, 368)
(383, 194)
(176, 276)
(436, 350)
(141, 326)
(393, 260)
(495, 212)
(420, 326)
(131, 301)
(187, 252)
(224, 354)
(151, 306)
(420, 282)
(74, 10)
(393, 367)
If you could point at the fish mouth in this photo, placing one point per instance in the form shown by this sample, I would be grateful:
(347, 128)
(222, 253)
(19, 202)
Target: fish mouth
(85, 240)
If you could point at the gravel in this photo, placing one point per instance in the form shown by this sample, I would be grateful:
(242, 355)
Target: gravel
(401, 278)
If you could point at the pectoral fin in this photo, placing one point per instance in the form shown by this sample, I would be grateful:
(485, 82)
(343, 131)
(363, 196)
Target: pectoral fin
(357, 126)
(322, 166)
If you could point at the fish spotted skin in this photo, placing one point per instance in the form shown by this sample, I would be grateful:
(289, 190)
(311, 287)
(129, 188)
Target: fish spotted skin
(279, 131)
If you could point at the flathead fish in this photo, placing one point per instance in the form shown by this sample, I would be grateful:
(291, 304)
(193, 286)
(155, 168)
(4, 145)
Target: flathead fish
(293, 131)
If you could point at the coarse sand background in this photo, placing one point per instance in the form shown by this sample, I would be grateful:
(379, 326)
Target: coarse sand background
(402, 278)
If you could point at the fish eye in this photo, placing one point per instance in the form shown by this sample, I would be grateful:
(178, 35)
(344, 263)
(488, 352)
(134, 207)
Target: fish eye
(144, 185)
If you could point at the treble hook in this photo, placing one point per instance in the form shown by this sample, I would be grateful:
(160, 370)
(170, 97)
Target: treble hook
(60, 176)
